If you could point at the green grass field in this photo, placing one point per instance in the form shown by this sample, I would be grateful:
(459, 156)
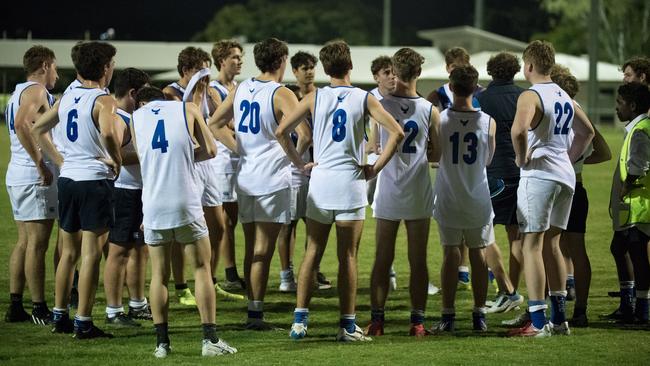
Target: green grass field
(602, 343)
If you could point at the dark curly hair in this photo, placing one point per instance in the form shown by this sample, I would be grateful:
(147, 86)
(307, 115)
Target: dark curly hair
(127, 79)
(92, 57)
(463, 80)
(35, 57)
(269, 53)
(380, 63)
(147, 94)
(640, 65)
(564, 79)
(503, 66)
(303, 58)
(636, 93)
(191, 58)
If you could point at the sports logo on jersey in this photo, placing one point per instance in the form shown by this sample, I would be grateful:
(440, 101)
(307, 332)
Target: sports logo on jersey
(340, 99)
(404, 109)
(464, 122)
(251, 90)
(559, 93)
(76, 100)
(156, 111)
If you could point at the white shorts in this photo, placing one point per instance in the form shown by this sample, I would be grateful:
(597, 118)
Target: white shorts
(185, 234)
(541, 204)
(479, 237)
(325, 216)
(273, 207)
(227, 184)
(299, 202)
(34, 202)
(208, 184)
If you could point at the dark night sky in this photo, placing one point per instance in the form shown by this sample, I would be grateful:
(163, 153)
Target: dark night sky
(162, 20)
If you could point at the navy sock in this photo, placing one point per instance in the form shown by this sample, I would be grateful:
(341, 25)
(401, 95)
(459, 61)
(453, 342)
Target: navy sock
(536, 309)
(570, 282)
(463, 276)
(231, 274)
(490, 276)
(417, 317)
(82, 325)
(641, 309)
(16, 299)
(449, 317)
(210, 332)
(300, 316)
(347, 322)
(558, 309)
(58, 314)
(579, 311)
(377, 315)
(627, 295)
(162, 335)
(253, 314)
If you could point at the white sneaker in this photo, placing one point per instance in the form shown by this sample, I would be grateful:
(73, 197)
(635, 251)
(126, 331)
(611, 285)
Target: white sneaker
(356, 336)
(162, 350)
(505, 303)
(298, 331)
(392, 284)
(288, 286)
(433, 289)
(210, 349)
(562, 329)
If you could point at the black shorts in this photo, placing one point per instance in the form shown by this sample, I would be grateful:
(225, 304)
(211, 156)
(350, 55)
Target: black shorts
(85, 205)
(127, 208)
(579, 209)
(504, 204)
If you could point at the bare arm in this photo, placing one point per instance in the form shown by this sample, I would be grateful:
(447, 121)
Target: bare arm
(289, 123)
(493, 140)
(223, 114)
(601, 151)
(527, 104)
(40, 130)
(584, 132)
(171, 94)
(433, 145)
(395, 136)
(373, 145)
(33, 103)
(105, 110)
(285, 102)
(199, 130)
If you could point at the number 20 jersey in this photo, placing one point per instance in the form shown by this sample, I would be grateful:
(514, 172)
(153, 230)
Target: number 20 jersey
(462, 197)
(80, 136)
(339, 119)
(263, 165)
(170, 198)
(550, 140)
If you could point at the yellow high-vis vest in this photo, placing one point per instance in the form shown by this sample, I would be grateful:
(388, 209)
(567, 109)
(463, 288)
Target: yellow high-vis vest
(638, 199)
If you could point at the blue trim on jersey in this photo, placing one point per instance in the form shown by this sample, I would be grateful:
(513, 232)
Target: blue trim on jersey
(92, 108)
(365, 119)
(124, 118)
(273, 107)
(221, 94)
(313, 117)
(21, 94)
(339, 86)
(185, 119)
(261, 81)
(405, 97)
(456, 110)
(542, 117)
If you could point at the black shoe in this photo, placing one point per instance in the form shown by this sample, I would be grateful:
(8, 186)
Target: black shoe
(74, 298)
(143, 313)
(322, 282)
(16, 314)
(122, 320)
(614, 293)
(63, 325)
(93, 332)
(615, 315)
(579, 321)
(42, 316)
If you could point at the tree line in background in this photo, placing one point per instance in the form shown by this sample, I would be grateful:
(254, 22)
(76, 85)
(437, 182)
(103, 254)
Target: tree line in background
(624, 24)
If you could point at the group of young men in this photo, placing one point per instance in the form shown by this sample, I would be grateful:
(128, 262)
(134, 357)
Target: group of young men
(196, 157)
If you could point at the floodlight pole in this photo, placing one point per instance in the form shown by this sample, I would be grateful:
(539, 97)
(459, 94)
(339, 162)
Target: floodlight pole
(593, 88)
(386, 28)
(478, 14)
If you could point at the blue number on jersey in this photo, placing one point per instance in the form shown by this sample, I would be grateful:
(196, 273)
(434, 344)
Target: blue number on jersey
(72, 128)
(472, 143)
(252, 109)
(159, 141)
(412, 127)
(10, 113)
(562, 129)
(338, 130)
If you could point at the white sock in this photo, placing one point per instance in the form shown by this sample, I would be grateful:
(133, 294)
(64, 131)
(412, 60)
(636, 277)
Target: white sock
(112, 311)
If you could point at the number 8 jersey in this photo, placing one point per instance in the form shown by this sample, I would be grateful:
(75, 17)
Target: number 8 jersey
(339, 120)
(462, 197)
(263, 165)
(549, 140)
(80, 137)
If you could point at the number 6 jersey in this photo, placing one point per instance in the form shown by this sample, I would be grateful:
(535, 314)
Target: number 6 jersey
(165, 149)
(462, 197)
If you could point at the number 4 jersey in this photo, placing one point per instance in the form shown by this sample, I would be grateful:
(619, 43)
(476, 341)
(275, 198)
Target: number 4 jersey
(462, 197)
(549, 140)
(170, 197)
(80, 137)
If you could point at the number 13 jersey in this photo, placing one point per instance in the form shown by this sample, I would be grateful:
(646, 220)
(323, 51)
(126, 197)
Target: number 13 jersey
(339, 125)
(462, 197)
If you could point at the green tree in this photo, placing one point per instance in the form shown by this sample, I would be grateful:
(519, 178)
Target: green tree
(296, 22)
(623, 32)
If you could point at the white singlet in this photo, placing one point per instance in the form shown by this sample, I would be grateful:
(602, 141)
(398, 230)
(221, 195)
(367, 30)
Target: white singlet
(130, 176)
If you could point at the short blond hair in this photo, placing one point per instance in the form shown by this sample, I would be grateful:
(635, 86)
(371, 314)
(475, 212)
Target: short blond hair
(407, 64)
(541, 54)
(336, 59)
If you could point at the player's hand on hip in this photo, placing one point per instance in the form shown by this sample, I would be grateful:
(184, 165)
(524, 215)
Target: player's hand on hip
(306, 169)
(369, 171)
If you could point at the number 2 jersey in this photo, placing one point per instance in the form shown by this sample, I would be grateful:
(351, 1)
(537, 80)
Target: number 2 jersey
(170, 198)
(404, 188)
(462, 197)
(263, 165)
(337, 181)
(549, 141)
(80, 136)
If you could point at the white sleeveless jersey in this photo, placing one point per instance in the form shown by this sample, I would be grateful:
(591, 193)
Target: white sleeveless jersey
(21, 169)
(170, 198)
(226, 161)
(549, 141)
(377, 94)
(338, 182)
(82, 144)
(130, 177)
(462, 197)
(404, 185)
(263, 165)
(178, 88)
